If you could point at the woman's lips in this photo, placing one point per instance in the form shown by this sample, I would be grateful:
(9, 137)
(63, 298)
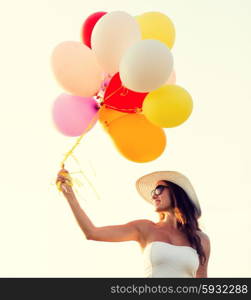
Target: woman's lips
(157, 202)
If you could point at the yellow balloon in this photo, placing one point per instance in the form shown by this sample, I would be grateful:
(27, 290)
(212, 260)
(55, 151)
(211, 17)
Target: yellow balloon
(168, 106)
(107, 115)
(157, 26)
(137, 139)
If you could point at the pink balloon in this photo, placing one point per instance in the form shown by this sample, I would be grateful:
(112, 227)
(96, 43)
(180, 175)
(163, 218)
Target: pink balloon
(172, 78)
(73, 114)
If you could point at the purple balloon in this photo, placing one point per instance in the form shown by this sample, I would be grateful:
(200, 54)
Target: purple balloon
(73, 114)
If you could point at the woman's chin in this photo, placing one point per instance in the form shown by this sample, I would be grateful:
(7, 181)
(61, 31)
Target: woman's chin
(158, 209)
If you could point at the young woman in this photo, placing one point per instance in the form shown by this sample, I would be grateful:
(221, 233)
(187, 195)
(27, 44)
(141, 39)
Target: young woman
(173, 247)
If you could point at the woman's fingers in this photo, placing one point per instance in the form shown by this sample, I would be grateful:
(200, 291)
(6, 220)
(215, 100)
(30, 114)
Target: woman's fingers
(62, 171)
(63, 188)
(63, 180)
(62, 175)
(66, 188)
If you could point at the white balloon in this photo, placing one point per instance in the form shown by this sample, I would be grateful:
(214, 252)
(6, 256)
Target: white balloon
(111, 37)
(146, 66)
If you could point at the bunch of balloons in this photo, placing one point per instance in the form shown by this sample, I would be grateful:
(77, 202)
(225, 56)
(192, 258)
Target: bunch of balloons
(121, 73)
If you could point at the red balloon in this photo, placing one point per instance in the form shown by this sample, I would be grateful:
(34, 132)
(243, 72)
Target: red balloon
(121, 98)
(88, 26)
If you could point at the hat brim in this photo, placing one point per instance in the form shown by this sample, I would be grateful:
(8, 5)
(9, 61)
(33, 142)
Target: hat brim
(147, 183)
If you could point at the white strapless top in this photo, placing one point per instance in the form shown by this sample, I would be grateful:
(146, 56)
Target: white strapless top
(162, 259)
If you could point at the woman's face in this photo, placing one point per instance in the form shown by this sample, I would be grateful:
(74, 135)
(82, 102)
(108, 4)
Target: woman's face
(162, 202)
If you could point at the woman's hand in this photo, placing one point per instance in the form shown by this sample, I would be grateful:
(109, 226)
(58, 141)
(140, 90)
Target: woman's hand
(63, 181)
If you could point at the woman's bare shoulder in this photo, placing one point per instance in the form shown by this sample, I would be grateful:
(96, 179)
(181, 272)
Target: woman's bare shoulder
(205, 241)
(202, 235)
(144, 223)
(144, 226)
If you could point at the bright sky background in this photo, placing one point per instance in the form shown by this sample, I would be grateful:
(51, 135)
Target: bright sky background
(39, 235)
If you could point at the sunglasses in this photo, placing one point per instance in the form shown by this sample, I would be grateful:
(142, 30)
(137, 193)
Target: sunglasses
(158, 190)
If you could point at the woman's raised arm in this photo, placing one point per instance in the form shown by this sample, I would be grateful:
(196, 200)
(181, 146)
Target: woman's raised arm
(131, 231)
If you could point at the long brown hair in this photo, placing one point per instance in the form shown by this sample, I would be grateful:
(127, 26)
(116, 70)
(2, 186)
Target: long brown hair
(188, 215)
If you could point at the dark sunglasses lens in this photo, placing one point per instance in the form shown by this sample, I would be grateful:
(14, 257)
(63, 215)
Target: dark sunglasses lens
(159, 190)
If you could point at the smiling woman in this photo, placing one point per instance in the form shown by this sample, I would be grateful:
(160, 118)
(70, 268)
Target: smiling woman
(178, 207)
(172, 247)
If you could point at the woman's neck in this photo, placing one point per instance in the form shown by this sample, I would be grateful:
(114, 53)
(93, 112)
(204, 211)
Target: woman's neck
(167, 219)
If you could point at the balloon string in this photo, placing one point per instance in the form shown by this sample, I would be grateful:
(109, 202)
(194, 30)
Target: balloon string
(70, 152)
(136, 110)
(85, 177)
(124, 93)
(113, 93)
(67, 175)
(78, 141)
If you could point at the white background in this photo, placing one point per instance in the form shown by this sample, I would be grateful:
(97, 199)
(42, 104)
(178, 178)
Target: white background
(39, 235)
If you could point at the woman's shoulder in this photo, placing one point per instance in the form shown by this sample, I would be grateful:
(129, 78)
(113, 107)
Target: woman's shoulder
(202, 235)
(144, 223)
(144, 226)
(205, 241)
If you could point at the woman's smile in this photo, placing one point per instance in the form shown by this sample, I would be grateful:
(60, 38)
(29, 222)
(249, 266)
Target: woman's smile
(157, 201)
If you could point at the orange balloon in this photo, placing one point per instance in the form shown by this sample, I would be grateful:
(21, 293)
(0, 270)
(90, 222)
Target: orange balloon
(136, 138)
(107, 115)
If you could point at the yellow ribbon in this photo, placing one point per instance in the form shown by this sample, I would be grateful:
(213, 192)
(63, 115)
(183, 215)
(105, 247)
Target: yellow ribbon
(69, 179)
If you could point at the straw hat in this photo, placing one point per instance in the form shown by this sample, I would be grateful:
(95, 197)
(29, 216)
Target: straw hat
(148, 182)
